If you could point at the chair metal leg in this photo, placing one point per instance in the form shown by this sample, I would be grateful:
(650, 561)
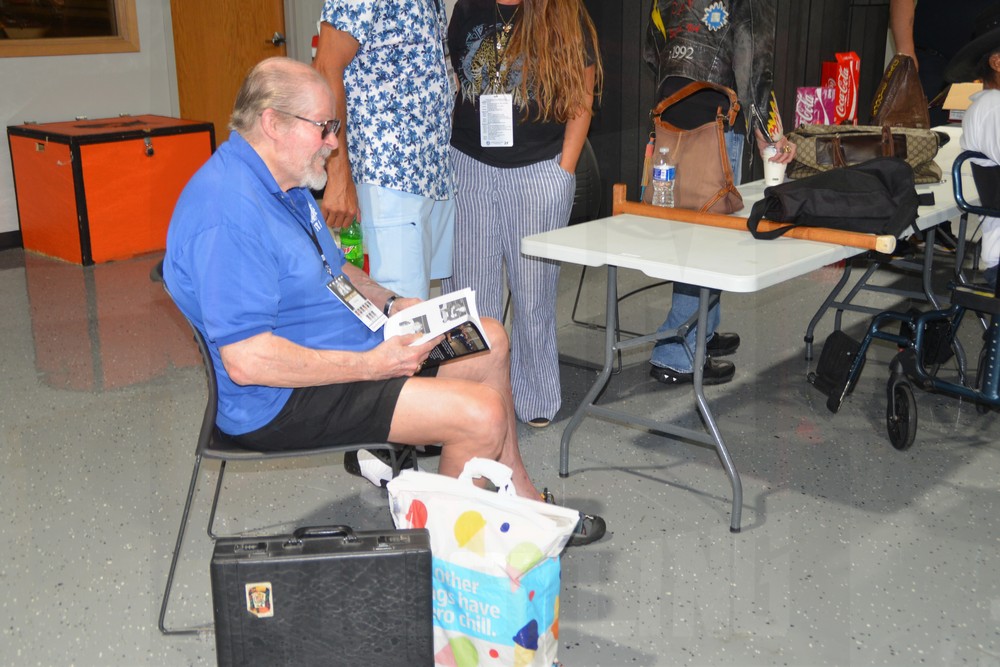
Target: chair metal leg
(215, 501)
(176, 556)
(622, 297)
(398, 457)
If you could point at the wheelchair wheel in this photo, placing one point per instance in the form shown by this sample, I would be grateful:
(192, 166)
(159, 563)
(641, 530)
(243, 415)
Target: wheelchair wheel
(901, 414)
(981, 408)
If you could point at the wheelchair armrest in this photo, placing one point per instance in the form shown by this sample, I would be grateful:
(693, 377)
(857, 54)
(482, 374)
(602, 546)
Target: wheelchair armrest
(956, 179)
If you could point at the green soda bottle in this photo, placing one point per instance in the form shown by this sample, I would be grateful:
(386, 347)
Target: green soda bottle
(352, 244)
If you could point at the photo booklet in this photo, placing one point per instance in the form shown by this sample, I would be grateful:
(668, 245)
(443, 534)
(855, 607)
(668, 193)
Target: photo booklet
(453, 315)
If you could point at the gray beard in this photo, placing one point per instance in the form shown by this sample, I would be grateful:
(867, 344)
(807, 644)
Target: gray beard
(315, 181)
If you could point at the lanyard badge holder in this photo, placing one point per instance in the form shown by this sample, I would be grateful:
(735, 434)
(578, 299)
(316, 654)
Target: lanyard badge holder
(496, 109)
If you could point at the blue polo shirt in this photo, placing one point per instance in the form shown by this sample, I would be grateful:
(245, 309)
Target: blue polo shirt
(240, 261)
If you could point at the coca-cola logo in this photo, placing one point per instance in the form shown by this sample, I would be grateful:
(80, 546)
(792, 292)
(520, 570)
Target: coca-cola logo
(804, 105)
(805, 100)
(843, 90)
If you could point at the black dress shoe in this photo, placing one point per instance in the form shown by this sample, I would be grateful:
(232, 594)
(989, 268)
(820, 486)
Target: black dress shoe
(716, 372)
(722, 344)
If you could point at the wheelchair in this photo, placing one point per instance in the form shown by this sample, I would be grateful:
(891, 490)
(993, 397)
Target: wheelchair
(926, 340)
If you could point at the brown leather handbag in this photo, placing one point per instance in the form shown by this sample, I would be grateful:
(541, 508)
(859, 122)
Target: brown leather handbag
(704, 176)
(899, 99)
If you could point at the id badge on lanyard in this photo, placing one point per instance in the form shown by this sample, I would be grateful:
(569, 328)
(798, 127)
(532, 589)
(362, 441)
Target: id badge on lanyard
(363, 309)
(496, 120)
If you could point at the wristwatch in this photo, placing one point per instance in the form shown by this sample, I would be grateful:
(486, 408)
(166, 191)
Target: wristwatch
(388, 304)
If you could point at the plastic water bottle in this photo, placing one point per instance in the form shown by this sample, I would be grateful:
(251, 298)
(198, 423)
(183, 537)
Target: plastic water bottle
(352, 244)
(664, 178)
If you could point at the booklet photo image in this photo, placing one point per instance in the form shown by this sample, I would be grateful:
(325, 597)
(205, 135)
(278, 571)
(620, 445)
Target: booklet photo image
(464, 339)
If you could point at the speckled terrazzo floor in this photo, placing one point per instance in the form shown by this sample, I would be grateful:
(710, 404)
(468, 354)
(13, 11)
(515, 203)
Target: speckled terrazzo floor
(852, 553)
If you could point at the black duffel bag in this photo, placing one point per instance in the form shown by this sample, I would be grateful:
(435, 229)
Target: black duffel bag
(874, 197)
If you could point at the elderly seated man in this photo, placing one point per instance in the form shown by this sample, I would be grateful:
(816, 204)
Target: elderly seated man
(251, 264)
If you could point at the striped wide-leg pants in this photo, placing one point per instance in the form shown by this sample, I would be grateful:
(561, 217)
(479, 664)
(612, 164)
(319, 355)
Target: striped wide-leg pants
(496, 208)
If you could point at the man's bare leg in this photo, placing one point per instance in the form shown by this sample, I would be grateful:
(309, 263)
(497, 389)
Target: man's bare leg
(469, 409)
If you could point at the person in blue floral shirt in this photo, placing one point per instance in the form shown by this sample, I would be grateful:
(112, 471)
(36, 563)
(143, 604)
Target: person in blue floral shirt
(385, 61)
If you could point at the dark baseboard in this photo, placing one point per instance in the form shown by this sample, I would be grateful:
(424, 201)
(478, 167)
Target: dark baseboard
(10, 240)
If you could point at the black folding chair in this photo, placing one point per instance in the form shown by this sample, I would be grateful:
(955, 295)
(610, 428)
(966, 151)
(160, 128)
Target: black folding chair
(213, 444)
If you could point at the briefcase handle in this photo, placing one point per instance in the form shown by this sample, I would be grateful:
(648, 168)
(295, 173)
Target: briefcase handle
(306, 532)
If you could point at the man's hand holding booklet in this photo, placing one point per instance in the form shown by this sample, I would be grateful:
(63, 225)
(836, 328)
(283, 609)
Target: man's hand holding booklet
(452, 315)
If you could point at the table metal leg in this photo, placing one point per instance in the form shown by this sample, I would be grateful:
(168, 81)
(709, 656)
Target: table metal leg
(612, 344)
(827, 302)
(704, 295)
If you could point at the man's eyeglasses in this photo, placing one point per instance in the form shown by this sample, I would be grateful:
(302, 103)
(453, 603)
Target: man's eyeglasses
(327, 127)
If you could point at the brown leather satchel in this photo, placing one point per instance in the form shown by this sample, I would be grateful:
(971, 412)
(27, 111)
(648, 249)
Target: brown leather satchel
(704, 176)
(824, 147)
(899, 99)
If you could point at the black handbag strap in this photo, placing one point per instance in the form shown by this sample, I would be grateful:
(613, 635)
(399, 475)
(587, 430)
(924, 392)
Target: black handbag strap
(696, 87)
(758, 211)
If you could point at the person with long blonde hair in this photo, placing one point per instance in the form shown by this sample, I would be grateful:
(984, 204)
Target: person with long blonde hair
(528, 72)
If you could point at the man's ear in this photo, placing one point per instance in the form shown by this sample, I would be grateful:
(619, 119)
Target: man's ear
(270, 124)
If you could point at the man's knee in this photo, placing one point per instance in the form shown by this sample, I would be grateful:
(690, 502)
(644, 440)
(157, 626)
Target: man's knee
(489, 420)
(494, 330)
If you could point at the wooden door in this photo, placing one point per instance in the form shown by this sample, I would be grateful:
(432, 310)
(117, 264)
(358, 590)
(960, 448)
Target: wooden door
(215, 43)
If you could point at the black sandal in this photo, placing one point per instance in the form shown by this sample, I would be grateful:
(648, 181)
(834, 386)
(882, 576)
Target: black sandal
(589, 528)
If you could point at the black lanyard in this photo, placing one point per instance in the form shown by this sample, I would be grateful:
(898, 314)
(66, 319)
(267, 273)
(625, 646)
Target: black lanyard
(286, 201)
(319, 249)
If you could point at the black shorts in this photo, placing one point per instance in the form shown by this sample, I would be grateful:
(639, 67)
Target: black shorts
(333, 414)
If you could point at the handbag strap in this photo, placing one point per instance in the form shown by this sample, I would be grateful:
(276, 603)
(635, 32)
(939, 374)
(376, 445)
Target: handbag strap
(888, 143)
(695, 87)
(758, 211)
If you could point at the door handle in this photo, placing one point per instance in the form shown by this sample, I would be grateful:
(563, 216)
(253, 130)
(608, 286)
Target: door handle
(277, 39)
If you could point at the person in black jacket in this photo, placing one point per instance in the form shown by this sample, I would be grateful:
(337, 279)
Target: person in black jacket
(732, 44)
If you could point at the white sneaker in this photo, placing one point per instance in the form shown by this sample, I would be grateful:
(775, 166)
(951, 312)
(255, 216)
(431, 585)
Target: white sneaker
(365, 464)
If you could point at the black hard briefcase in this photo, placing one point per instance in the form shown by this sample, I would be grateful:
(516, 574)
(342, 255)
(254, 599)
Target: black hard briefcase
(324, 596)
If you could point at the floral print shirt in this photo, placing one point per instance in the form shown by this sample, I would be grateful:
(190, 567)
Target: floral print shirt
(399, 99)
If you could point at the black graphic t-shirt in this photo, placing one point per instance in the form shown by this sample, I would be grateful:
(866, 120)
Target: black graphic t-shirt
(473, 34)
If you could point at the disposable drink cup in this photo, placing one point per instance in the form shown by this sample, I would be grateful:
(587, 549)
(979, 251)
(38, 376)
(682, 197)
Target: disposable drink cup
(774, 172)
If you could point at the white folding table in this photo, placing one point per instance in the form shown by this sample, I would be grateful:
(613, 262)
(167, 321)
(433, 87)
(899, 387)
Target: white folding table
(712, 258)
(709, 257)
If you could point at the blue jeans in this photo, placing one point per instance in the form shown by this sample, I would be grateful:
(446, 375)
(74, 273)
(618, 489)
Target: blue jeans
(670, 353)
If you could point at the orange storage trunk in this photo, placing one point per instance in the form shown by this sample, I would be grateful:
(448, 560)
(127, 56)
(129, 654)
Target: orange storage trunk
(91, 191)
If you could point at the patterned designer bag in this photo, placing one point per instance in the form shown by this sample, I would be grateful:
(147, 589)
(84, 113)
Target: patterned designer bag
(824, 147)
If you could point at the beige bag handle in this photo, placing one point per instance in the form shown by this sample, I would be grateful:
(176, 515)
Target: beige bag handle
(695, 87)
